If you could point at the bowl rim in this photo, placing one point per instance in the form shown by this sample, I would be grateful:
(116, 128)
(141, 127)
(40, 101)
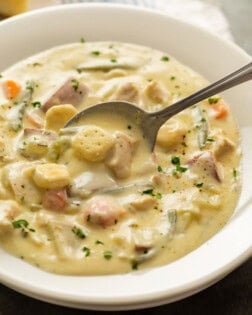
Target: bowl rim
(151, 298)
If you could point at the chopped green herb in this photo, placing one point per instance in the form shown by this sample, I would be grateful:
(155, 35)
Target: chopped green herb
(199, 185)
(235, 173)
(78, 232)
(172, 216)
(96, 53)
(210, 140)
(159, 169)
(82, 40)
(184, 144)
(151, 193)
(134, 265)
(175, 160)
(98, 242)
(36, 64)
(148, 192)
(31, 230)
(75, 84)
(36, 104)
(129, 127)
(172, 78)
(181, 169)
(203, 119)
(86, 251)
(30, 86)
(22, 199)
(165, 58)
(20, 224)
(213, 100)
(113, 60)
(107, 254)
(1, 75)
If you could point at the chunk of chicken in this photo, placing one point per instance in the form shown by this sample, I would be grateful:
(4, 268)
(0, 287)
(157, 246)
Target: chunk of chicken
(33, 118)
(121, 155)
(17, 176)
(128, 92)
(67, 244)
(70, 92)
(103, 211)
(156, 92)
(144, 203)
(89, 182)
(222, 145)
(6, 153)
(205, 166)
(9, 209)
(170, 134)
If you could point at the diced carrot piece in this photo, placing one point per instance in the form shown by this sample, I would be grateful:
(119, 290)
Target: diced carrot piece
(11, 89)
(221, 110)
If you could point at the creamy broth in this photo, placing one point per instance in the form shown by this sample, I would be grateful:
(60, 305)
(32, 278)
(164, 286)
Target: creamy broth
(92, 198)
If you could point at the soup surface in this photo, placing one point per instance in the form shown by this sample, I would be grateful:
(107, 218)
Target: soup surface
(91, 198)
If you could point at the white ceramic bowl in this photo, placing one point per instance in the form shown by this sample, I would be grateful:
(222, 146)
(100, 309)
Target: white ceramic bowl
(208, 54)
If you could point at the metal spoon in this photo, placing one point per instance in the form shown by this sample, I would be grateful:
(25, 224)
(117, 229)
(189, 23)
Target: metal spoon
(151, 122)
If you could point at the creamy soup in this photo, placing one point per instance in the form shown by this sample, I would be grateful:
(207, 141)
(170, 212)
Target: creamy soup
(92, 198)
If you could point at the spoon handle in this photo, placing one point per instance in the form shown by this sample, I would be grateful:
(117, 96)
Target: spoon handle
(235, 78)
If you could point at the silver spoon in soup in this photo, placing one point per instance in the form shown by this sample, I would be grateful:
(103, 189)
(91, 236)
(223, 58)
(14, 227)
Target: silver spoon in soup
(149, 123)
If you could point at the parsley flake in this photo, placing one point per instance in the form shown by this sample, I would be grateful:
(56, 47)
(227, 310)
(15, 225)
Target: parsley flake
(199, 185)
(75, 84)
(134, 265)
(235, 173)
(98, 242)
(20, 224)
(158, 195)
(213, 100)
(78, 232)
(36, 104)
(96, 53)
(159, 169)
(148, 192)
(86, 251)
(175, 160)
(107, 254)
(179, 169)
(151, 193)
(165, 58)
(210, 140)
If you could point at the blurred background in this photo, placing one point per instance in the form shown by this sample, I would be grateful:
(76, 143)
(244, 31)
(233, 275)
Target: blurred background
(229, 18)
